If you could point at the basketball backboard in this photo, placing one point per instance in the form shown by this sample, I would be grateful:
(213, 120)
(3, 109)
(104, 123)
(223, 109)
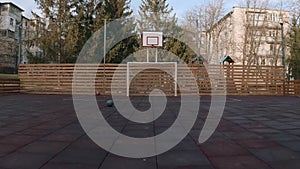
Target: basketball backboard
(152, 39)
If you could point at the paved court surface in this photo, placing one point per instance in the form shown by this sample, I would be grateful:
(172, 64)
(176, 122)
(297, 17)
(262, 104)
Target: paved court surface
(256, 132)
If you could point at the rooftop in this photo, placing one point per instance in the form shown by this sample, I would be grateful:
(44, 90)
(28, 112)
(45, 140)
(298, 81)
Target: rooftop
(12, 4)
(269, 9)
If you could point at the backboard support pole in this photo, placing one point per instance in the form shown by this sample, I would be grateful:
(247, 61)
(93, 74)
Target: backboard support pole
(156, 55)
(147, 55)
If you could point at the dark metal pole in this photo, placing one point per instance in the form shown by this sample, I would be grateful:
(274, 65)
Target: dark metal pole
(20, 43)
(283, 55)
(104, 42)
(198, 38)
(283, 44)
(18, 59)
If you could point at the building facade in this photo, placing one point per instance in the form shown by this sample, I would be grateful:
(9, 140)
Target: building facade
(10, 22)
(11, 18)
(30, 30)
(16, 35)
(249, 36)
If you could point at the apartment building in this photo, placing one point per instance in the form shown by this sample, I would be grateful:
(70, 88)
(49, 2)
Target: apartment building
(10, 20)
(249, 36)
(16, 35)
(11, 17)
(31, 28)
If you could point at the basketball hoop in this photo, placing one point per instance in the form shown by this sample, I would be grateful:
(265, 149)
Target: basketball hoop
(152, 40)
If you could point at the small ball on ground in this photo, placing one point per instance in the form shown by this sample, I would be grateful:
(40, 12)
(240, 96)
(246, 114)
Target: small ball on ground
(109, 103)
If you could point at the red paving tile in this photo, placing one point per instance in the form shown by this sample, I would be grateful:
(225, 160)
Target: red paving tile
(44, 147)
(256, 143)
(23, 160)
(238, 162)
(7, 149)
(223, 148)
(18, 139)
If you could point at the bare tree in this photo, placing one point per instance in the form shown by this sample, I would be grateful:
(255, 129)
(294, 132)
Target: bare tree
(262, 32)
(207, 16)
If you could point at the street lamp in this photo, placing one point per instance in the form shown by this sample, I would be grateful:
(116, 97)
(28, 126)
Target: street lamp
(283, 53)
(18, 58)
(104, 42)
(282, 42)
(105, 39)
(198, 37)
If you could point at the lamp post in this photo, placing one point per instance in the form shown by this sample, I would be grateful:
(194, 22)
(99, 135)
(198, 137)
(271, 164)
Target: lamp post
(104, 42)
(18, 58)
(283, 53)
(282, 43)
(198, 38)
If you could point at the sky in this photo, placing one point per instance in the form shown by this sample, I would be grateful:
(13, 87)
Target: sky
(179, 6)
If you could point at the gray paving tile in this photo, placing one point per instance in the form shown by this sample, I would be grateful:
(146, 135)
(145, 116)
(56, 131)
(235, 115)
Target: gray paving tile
(80, 156)
(275, 154)
(113, 161)
(53, 165)
(286, 164)
(44, 147)
(293, 145)
(182, 158)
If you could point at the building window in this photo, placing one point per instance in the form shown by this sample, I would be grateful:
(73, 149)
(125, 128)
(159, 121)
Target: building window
(3, 33)
(11, 22)
(272, 33)
(271, 47)
(11, 34)
(263, 61)
(4, 8)
(271, 62)
(273, 17)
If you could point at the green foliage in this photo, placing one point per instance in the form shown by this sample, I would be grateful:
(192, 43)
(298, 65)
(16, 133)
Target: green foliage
(69, 24)
(122, 50)
(35, 59)
(294, 42)
(155, 15)
(180, 49)
(59, 37)
(119, 9)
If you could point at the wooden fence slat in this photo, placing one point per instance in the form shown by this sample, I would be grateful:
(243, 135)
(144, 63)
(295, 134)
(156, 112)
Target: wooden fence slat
(9, 86)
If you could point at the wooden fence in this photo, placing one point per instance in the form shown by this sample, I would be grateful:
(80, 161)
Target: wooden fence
(9, 86)
(292, 87)
(218, 79)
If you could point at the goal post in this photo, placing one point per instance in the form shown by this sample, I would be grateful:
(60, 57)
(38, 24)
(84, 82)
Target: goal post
(134, 68)
(152, 39)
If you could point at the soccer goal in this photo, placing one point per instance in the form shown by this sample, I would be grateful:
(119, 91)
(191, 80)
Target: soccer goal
(134, 68)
